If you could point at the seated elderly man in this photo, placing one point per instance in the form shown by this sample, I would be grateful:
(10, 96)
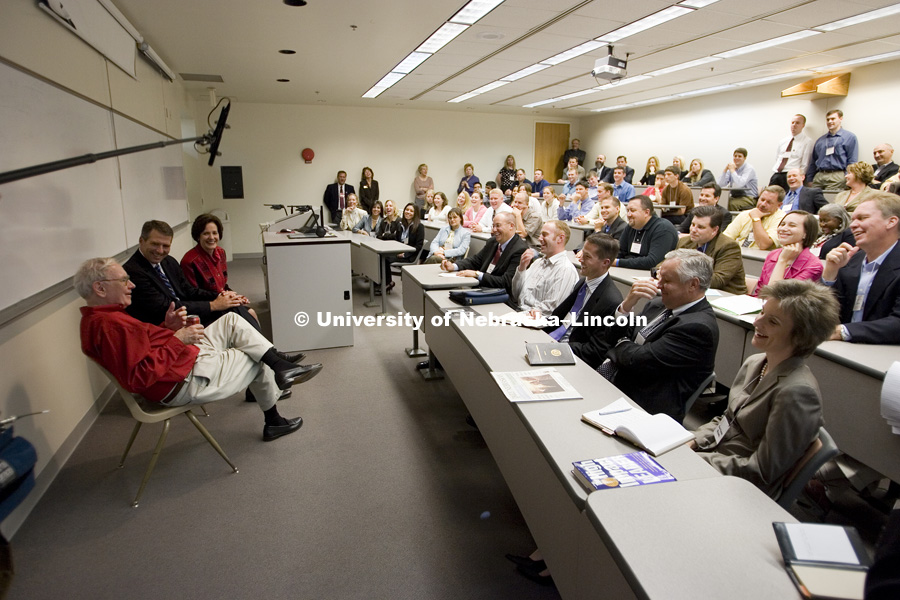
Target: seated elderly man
(661, 364)
(543, 286)
(174, 364)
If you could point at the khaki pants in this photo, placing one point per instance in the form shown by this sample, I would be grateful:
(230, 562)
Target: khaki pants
(741, 203)
(830, 181)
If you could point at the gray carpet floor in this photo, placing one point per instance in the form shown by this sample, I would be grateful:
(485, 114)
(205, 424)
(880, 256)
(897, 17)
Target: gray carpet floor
(384, 493)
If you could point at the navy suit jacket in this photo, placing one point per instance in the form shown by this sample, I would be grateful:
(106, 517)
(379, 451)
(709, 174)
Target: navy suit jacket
(502, 274)
(812, 199)
(150, 297)
(881, 314)
(667, 369)
(591, 342)
(331, 198)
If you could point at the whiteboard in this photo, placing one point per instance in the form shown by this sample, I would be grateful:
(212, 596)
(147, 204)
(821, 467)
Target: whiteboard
(51, 223)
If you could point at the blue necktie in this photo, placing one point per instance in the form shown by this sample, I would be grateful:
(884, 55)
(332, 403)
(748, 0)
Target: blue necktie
(162, 274)
(558, 333)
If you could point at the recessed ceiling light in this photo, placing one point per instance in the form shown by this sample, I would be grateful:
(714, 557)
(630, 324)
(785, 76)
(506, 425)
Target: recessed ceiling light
(282, 80)
(287, 52)
(295, 2)
(490, 36)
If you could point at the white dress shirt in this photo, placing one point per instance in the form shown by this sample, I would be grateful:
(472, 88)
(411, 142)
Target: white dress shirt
(801, 153)
(545, 284)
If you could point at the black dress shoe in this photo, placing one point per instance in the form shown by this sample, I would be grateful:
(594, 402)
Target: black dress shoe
(273, 432)
(291, 358)
(249, 397)
(527, 562)
(422, 365)
(299, 374)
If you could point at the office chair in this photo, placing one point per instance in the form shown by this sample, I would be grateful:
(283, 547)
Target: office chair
(146, 412)
(819, 452)
(699, 391)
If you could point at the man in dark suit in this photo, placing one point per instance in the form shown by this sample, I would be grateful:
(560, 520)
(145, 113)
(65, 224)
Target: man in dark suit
(800, 197)
(706, 237)
(884, 166)
(603, 172)
(594, 296)
(866, 277)
(621, 161)
(160, 282)
(660, 365)
(335, 197)
(709, 196)
(574, 152)
(497, 262)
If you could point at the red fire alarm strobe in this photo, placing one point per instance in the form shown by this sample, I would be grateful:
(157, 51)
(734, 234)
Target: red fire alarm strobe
(308, 155)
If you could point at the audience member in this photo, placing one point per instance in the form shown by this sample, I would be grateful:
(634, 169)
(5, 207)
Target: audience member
(528, 220)
(646, 239)
(352, 214)
(594, 296)
(610, 222)
(370, 224)
(495, 264)
(858, 177)
(452, 241)
(579, 205)
(572, 165)
(475, 211)
(549, 280)
(832, 154)
(421, 184)
(709, 196)
(834, 223)
(774, 408)
(884, 166)
(368, 189)
(654, 192)
(706, 237)
(497, 206)
(649, 177)
(741, 178)
(757, 227)
(864, 277)
(661, 364)
(506, 178)
(335, 196)
(412, 233)
(797, 231)
(389, 229)
(603, 172)
(438, 213)
(622, 190)
(800, 197)
(522, 181)
(568, 190)
(574, 152)
(622, 161)
(463, 201)
(604, 190)
(697, 176)
(429, 203)
(160, 281)
(676, 192)
(173, 364)
(679, 163)
(793, 152)
(467, 183)
(539, 183)
(549, 204)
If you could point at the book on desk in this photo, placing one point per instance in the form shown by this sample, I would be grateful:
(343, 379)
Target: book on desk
(622, 470)
(549, 353)
(829, 562)
(657, 434)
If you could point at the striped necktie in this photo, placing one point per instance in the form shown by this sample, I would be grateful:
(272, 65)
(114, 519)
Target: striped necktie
(162, 275)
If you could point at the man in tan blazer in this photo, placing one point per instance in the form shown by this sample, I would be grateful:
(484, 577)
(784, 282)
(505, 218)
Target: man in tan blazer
(728, 272)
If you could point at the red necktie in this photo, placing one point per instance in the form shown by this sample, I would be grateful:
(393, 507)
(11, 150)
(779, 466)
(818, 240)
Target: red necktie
(784, 160)
(496, 255)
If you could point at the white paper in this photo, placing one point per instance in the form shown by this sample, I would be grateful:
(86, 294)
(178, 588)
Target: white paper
(823, 543)
(890, 398)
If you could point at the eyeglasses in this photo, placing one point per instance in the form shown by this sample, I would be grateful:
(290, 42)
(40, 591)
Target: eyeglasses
(122, 280)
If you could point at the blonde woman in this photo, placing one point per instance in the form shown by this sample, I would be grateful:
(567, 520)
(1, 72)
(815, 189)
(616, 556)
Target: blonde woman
(650, 172)
(678, 161)
(462, 201)
(697, 176)
(859, 176)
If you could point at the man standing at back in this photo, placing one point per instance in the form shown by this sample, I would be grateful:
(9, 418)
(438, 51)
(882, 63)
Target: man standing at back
(831, 155)
(793, 152)
(335, 197)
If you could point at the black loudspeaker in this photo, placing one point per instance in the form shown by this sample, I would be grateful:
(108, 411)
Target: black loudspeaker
(232, 182)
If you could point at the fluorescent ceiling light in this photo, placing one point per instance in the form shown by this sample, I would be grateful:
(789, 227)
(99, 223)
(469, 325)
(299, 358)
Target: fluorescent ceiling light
(573, 52)
(525, 72)
(490, 86)
(859, 61)
(389, 80)
(606, 108)
(687, 65)
(626, 81)
(541, 103)
(774, 78)
(708, 90)
(697, 3)
(577, 94)
(658, 18)
(441, 37)
(474, 10)
(463, 98)
(373, 93)
(869, 16)
(410, 62)
(784, 39)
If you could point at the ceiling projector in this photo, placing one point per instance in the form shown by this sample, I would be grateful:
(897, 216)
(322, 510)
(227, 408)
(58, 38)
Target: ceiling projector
(609, 68)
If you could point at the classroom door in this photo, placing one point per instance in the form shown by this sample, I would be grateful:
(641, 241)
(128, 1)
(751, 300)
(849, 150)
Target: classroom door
(550, 142)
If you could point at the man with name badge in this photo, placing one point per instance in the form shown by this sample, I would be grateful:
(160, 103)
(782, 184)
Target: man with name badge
(757, 227)
(647, 238)
(800, 197)
(794, 152)
(832, 154)
(541, 281)
(706, 237)
(496, 264)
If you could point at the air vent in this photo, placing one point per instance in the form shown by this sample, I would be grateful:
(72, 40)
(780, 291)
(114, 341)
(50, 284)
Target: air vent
(202, 77)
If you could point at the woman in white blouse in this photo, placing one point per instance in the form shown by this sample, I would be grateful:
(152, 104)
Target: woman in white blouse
(549, 204)
(438, 212)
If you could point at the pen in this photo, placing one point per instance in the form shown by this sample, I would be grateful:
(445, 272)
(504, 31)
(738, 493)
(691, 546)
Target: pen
(614, 412)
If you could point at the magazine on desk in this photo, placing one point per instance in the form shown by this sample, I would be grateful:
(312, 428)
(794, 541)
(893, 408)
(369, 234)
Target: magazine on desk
(657, 434)
(623, 470)
(535, 385)
(738, 305)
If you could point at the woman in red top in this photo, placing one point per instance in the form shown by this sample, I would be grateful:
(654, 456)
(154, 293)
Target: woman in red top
(204, 265)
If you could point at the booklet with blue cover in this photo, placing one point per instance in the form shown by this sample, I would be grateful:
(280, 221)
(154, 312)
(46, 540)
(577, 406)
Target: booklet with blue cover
(623, 470)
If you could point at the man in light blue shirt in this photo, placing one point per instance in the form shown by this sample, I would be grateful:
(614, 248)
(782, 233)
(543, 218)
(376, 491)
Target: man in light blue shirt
(741, 179)
(622, 190)
(831, 155)
(580, 205)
